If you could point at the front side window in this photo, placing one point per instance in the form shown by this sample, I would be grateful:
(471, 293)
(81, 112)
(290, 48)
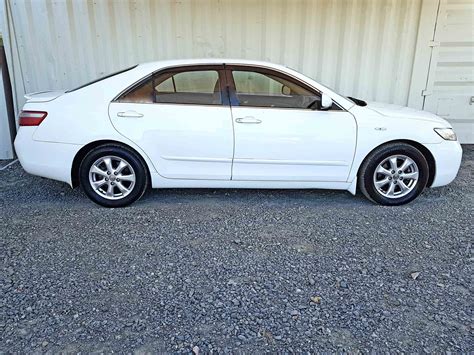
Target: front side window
(186, 87)
(270, 90)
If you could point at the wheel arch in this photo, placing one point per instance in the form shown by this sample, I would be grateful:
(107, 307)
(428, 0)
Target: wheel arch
(425, 151)
(75, 181)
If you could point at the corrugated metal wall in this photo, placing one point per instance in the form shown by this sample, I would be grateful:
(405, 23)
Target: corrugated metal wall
(360, 47)
(450, 86)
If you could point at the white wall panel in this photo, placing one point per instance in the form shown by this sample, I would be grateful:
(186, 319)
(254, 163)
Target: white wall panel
(363, 48)
(451, 80)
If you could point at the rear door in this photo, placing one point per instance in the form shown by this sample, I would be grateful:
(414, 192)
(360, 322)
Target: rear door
(280, 132)
(181, 118)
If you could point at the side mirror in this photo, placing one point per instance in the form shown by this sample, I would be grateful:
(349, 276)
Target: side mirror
(326, 102)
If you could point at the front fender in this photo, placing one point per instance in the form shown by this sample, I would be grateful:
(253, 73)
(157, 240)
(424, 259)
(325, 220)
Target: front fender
(375, 130)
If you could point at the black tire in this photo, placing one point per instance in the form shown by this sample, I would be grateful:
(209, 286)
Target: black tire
(139, 169)
(372, 161)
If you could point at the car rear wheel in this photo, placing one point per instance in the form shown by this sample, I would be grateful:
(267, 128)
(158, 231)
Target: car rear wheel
(393, 174)
(113, 176)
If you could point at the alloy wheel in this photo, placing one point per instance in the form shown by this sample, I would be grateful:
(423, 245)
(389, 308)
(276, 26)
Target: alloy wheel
(112, 177)
(396, 176)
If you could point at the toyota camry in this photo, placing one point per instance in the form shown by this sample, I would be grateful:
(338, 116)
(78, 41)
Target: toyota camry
(230, 124)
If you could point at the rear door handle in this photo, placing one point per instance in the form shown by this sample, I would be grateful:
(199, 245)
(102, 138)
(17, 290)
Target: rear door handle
(248, 119)
(129, 114)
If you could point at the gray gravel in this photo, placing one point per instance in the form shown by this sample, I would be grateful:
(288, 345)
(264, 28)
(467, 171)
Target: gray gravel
(227, 270)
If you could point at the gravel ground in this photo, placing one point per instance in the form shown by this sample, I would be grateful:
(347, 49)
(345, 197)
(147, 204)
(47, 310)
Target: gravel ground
(235, 270)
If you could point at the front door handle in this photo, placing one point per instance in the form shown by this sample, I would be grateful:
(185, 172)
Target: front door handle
(129, 114)
(248, 119)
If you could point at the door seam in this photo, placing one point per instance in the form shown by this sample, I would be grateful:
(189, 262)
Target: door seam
(227, 82)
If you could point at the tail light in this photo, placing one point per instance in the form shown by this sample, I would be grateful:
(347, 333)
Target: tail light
(32, 118)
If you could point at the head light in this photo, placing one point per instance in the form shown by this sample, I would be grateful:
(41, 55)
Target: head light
(446, 133)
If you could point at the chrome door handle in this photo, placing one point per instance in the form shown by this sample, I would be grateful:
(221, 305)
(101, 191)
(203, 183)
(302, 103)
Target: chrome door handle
(129, 114)
(248, 119)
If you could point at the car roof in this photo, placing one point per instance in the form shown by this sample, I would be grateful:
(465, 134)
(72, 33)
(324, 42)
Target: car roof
(178, 62)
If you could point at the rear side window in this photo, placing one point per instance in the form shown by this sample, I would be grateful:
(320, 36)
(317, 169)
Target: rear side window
(200, 87)
(103, 78)
(260, 89)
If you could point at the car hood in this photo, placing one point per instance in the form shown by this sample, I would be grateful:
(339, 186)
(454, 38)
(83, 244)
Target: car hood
(397, 111)
(43, 96)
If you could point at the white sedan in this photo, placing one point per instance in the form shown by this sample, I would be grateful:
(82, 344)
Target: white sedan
(230, 124)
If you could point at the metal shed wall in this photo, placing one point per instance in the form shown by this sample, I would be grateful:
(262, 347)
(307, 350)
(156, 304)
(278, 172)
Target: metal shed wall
(363, 48)
(450, 86)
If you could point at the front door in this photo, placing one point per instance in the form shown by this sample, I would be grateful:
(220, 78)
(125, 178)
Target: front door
(181, 120)
(280, 132)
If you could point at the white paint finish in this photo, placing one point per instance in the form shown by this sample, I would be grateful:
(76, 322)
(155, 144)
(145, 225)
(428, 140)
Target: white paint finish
(46, 159)
(319, 145)
(293, 162)
(396, 111)
(451, 82)
(160, 182)
(399, 126)
(448, 160)
(362, 48)
(43, 96)
(181, 140)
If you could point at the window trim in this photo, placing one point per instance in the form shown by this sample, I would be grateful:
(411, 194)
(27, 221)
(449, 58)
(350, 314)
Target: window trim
(219, 68)
(274, 72)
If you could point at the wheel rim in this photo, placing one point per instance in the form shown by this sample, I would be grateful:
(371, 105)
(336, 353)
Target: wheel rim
(396, 176)
(112, 177)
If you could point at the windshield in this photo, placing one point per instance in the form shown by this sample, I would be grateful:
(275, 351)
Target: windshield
(356, 101)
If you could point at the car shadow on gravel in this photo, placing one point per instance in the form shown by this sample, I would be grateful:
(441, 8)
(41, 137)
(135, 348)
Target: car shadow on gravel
(17, 186)
(249, 196)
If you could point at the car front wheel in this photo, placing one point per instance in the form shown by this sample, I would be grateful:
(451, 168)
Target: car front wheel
(113, 176)
(393, 174)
